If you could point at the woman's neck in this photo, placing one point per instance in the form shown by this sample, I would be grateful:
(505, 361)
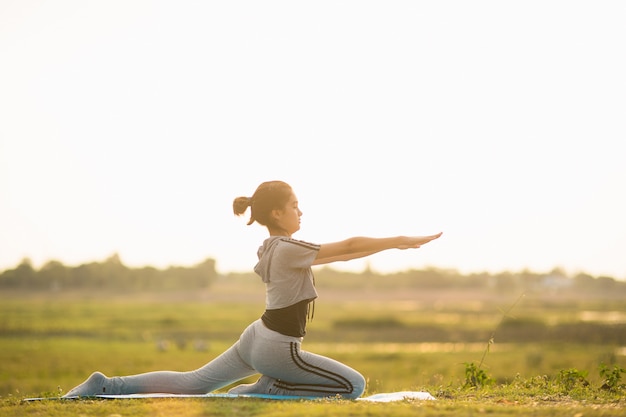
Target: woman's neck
(278, 232)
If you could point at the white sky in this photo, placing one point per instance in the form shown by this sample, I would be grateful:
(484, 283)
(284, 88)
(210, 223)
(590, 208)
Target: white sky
(130, 126)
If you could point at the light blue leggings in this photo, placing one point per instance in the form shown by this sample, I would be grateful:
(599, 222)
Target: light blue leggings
(258, 350)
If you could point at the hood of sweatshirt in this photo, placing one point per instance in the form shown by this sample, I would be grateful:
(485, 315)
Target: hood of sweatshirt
(264, 253)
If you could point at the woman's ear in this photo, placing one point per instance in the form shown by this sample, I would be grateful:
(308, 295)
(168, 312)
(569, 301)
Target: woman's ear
(276, 214)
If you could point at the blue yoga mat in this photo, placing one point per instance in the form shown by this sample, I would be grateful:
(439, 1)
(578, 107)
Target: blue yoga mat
(382, 397)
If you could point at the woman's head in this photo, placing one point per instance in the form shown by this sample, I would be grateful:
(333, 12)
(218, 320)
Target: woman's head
(266, 204)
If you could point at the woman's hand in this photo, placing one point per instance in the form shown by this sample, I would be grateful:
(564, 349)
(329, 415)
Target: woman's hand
(414, 242)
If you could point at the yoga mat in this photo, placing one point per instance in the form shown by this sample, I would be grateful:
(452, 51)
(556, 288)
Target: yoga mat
(398, 396)
(383, 397)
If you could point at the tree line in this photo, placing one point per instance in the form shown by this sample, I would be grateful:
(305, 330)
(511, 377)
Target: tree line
(112, 274)
(554, 281)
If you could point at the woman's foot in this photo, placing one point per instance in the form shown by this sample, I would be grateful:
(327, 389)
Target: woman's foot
(96, 384)
(264, 385)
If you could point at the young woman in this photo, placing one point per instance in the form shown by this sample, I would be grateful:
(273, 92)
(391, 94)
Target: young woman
(271, 346)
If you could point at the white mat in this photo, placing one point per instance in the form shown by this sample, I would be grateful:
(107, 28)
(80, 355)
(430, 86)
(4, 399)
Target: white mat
(398, 396)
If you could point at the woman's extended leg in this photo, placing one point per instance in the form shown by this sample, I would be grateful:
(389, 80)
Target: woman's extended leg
(221, 371)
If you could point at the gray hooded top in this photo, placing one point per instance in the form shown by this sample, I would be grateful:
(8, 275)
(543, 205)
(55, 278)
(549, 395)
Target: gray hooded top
(285, 268)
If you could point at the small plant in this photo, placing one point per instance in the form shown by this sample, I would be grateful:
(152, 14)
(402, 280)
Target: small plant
(572, 378)
(538, 382)
(475, 377)
(612, 377)
(491, 340)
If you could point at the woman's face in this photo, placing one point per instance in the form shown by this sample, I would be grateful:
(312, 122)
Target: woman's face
(288, 219)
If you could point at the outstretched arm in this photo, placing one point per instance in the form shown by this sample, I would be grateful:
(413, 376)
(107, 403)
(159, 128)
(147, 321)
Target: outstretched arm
(359, 247)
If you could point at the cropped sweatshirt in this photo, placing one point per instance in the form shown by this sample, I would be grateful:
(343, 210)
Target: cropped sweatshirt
(285, 268)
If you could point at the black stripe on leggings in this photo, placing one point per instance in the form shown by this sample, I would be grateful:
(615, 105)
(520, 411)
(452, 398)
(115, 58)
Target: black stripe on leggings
(341, 384)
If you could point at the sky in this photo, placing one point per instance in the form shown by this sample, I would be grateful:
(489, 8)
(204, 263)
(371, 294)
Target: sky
(130, 126)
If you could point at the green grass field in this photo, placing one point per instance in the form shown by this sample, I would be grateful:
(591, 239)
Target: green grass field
(545, 357)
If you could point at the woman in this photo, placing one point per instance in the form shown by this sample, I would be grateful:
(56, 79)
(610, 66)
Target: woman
(271, 346)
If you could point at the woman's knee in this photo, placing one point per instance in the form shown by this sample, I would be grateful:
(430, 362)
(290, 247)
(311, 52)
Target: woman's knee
(358, 386)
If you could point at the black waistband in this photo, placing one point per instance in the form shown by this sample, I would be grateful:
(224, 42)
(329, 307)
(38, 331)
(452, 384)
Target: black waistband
(290, 321)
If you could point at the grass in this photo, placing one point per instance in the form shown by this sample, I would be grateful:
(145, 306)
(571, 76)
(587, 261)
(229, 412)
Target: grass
(495, 402)
(400, 341)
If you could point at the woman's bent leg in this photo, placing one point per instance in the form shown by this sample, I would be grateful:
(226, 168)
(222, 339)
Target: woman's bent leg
(287, 370)
(315, 375)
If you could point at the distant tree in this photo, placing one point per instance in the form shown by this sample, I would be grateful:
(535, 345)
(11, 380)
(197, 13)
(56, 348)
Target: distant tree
(206, 273)
(25, 273)
(529, 280)
(505, 282)
(606, 283)
(83, 276)
(53, 275)
(114, 273)
(146, 278)
(583, 281)
(476, 280)
(558, 272)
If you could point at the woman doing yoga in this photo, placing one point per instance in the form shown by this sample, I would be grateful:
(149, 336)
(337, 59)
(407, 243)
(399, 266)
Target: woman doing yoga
(271, 346)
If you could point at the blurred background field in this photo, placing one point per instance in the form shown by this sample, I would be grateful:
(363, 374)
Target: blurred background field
(400, 335)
